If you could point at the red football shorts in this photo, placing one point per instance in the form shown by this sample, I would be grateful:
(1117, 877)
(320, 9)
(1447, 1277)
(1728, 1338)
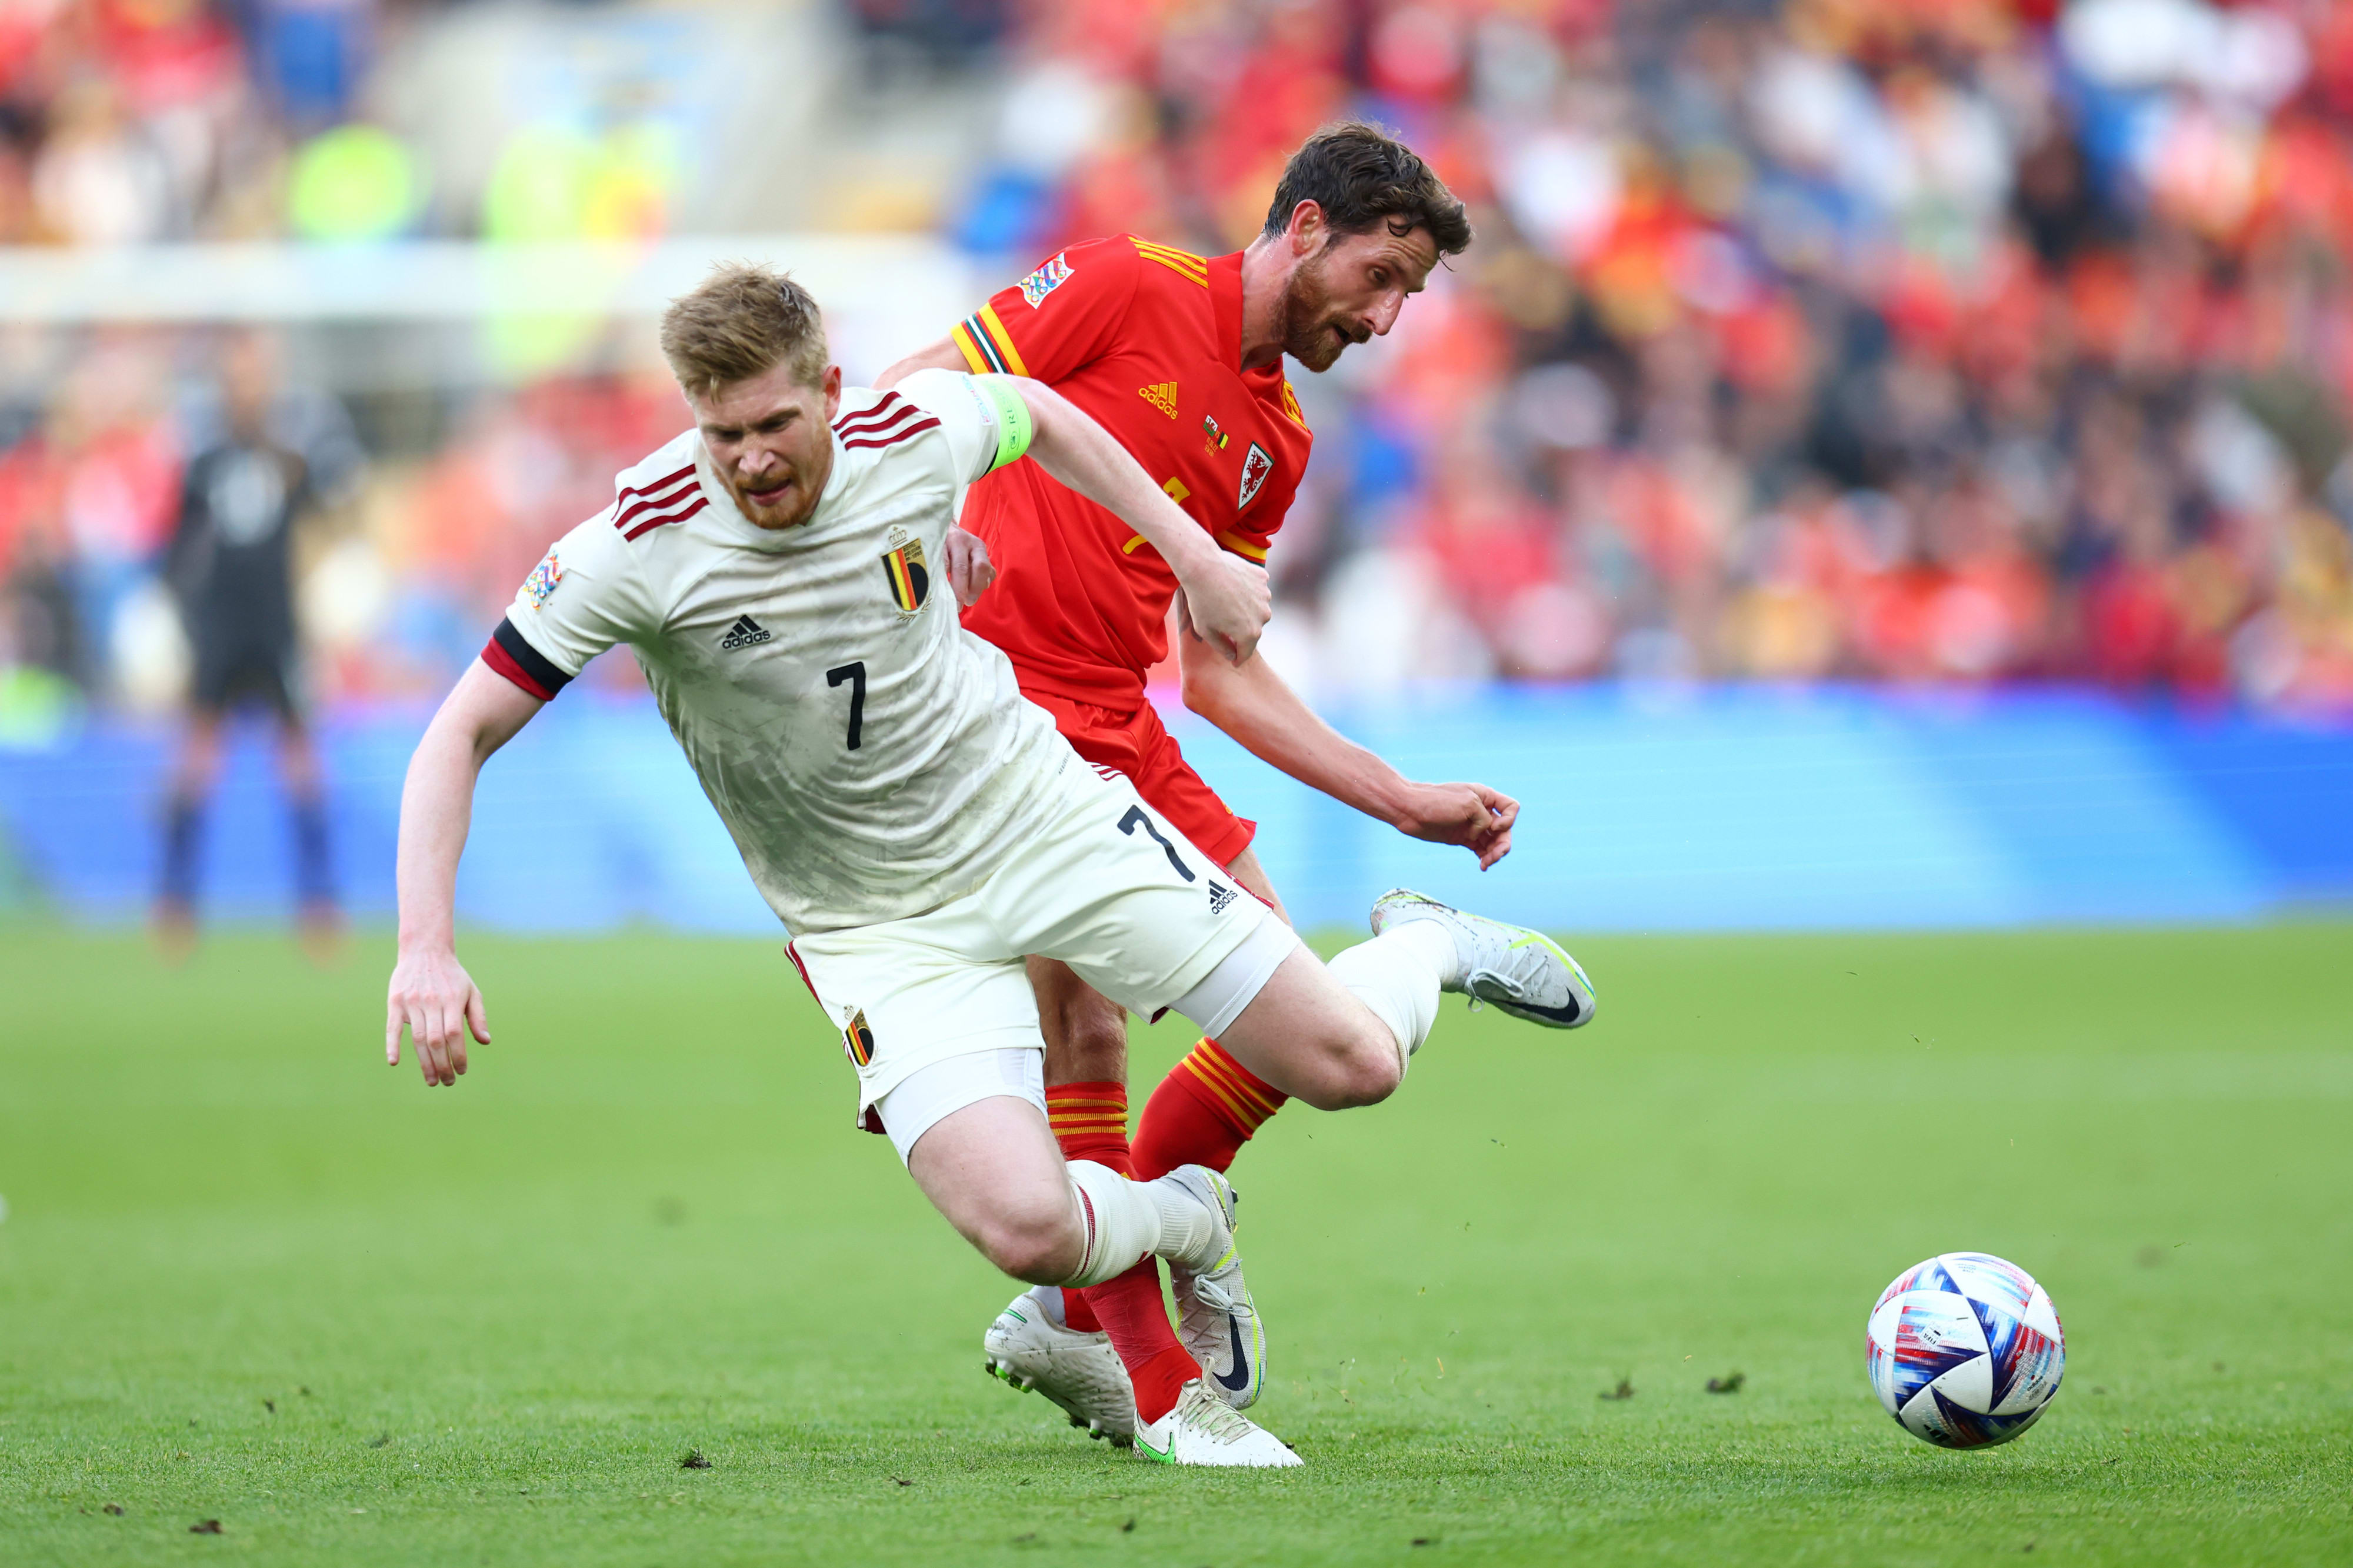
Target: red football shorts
(1135, 744)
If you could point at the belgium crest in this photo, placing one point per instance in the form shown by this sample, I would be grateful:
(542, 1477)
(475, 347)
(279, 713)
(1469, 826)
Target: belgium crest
(858, 1038)
(904, 570)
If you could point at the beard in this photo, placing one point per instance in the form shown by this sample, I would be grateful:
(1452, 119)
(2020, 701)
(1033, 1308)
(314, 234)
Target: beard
(1312, 334)
(789, 511)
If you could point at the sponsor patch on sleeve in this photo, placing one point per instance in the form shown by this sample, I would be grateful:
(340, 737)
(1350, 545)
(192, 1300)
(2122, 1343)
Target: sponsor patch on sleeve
(1046, 279)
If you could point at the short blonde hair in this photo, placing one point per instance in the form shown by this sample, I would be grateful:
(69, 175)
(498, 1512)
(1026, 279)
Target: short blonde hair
(745, 321)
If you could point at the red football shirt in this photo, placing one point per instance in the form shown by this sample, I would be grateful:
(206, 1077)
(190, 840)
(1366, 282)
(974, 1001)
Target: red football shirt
(1148, 340)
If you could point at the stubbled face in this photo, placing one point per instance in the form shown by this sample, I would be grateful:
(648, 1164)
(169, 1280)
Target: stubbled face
(1351, 292)
(771, 440)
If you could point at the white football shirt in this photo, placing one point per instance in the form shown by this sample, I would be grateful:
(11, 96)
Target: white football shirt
(873, 759)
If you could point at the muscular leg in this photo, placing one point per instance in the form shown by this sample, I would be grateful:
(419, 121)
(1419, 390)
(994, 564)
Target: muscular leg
(1086, 1088)
(1339, 1034)
(1086, 1032)
(1086, 1096)
(993, 1172)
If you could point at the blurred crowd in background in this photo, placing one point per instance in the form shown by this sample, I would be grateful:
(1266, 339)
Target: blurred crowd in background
(1914, 341)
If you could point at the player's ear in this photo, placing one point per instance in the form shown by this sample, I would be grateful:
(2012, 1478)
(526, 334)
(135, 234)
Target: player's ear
(831, 387)
(1306, 230)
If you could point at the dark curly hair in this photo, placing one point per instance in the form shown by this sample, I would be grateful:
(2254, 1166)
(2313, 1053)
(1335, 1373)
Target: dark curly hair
(1361, 175)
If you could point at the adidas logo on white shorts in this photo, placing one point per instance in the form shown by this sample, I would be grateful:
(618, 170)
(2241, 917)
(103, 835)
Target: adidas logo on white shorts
(1219, 896)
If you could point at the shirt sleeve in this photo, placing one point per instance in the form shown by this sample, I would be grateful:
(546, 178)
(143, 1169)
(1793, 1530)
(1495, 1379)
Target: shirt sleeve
(1063, 315)
(586, 594)
(987, 423)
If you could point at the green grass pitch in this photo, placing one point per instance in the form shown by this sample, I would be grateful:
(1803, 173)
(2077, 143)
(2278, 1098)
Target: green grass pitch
(248, 1274)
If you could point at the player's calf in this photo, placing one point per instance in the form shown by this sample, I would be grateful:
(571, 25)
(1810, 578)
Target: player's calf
(993, 1171)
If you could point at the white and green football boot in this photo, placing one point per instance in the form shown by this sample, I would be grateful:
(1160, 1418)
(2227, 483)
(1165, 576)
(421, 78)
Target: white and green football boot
(1203, 1430)
(1035, 1351)
(1217, 1322)
(1524, 973)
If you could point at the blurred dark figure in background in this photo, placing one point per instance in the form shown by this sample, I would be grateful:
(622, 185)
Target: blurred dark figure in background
(231, 561)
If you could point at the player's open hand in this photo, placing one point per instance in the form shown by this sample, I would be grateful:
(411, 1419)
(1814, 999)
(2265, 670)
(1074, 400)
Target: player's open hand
(1226, 605)
(969, 569)
(1478, 818)
(432, 995)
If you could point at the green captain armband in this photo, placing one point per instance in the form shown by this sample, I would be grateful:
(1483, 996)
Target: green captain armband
(1014, 428)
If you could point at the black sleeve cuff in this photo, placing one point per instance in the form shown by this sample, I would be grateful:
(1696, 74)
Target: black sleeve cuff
(511, 655)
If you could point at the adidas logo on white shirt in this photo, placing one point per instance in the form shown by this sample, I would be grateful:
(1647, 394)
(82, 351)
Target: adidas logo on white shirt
(743, 633)
(1219, 896)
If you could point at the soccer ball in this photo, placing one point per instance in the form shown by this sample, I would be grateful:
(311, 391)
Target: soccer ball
(1965, 1350)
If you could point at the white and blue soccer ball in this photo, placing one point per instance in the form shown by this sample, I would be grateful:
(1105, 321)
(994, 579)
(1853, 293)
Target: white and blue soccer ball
(1965, 1350)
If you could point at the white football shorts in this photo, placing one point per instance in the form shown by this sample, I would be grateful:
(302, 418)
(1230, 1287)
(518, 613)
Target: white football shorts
(942, 1088)
(1110, 890)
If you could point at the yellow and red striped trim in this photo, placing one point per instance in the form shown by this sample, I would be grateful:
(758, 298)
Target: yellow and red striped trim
(1246, 548)
(1067, 1115)
(987, 346)
(1233, 1086)
(1183, 263)
(1291, 406)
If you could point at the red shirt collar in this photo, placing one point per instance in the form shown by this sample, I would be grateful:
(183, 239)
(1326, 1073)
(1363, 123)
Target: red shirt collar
(1226, 299)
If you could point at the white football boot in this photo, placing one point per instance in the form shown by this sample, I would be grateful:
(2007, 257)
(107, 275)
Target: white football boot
(1217, 1322)
(1034, 1350)
(1522, 972)
(1203, 1430)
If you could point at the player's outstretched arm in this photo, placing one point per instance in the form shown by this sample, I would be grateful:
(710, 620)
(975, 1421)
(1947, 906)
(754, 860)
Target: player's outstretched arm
(1252, 703)
(431, 993)
(941, 355)
(1226, 597)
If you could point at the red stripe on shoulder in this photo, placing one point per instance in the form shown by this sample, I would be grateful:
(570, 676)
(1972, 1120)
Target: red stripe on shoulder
(867, 423)
(661, 502)
(893, 437)
(660, 484)
(890, 403)
(680, 515)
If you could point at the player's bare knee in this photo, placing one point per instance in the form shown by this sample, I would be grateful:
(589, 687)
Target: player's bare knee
(1366, 1067)
(1040, 1244)
(1371, 1080)
(1349, 1068)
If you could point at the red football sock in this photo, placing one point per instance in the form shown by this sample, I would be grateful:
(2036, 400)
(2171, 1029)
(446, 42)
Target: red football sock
(1202, 1113)
(1089, 1121)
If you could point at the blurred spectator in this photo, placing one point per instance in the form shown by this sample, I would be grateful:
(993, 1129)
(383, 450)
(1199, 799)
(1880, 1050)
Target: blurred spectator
(232, 562)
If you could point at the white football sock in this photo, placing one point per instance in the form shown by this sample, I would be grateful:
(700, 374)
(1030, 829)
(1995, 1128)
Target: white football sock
(1436, 944)
(1129, 1221)
(1397, 974)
